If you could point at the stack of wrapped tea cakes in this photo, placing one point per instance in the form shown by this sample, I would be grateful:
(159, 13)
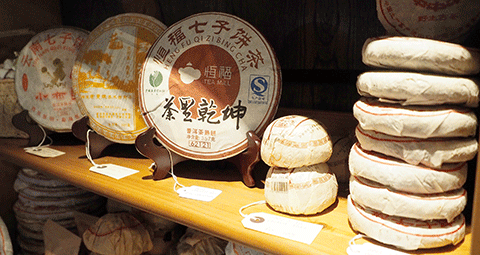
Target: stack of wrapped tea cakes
(299, 180)
(41, 198)
(416, 133)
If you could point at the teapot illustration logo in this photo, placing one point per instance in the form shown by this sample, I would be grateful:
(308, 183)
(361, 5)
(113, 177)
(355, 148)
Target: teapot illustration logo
(189, 74)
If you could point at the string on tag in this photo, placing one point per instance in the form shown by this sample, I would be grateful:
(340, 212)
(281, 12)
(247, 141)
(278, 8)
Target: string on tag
(45, 136)
(369, 248)
(352, 241)
(251, 204)
(87, 148)
(172, 174)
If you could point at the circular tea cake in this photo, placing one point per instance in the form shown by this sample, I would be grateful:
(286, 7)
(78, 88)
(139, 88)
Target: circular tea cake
(206, 82)
(42, 78)
(106, 71)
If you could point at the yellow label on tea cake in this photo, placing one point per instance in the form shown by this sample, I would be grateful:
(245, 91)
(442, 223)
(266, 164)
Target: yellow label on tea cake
(105, 75)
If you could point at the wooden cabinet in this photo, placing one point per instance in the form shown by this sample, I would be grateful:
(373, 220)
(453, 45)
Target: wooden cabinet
(318, 45)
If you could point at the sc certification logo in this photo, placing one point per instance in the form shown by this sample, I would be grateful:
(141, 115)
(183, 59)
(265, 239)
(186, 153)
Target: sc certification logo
(258, 92)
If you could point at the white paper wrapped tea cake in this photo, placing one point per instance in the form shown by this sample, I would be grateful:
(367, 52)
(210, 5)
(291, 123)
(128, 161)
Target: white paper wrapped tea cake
(405, 233)
(6, 246)
(413, 88)
(447, 205)
(304, 190)
(405, 177)
(106, 72)
(415, 121)
(295, 141)
(42, 77)
(444, 20)
(420, 55)
(117, 233)
(431, 152)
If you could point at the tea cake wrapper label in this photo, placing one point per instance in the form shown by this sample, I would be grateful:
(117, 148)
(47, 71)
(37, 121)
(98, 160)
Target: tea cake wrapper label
(105, 76)
(444, 20)
(42, 79)
(206, 82)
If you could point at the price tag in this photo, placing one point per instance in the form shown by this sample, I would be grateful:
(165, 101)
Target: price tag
(114, 171)
(295, 230)
(44, 152)
(199, 193)
(369, 248)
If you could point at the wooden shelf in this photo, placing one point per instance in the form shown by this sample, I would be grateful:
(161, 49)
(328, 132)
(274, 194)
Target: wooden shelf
(219, 217)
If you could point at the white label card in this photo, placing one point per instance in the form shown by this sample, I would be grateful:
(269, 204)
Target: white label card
(44, 152)
(295, 230)
(114, 171)
(199, 193)
(369, 248)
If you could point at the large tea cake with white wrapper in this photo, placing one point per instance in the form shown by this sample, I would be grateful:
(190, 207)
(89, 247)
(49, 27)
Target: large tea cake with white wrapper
(432, 152)
(415, 135)
(415, 121)
(420, 55)
(42, 78)
(440, 20)
(402, 176)
(405, 233)
(445, 205)
(6, 245)
(295, 141)
(106, 71)
(206, 82)
(413, 88)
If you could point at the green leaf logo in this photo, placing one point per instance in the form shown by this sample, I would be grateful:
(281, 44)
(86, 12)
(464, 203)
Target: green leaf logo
(156, 79)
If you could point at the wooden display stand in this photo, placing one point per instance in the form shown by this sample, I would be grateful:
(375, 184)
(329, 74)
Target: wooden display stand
(147, 145)
(97, 143)
(23, 122)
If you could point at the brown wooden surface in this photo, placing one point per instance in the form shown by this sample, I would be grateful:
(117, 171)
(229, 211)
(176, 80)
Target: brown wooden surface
(219, 217)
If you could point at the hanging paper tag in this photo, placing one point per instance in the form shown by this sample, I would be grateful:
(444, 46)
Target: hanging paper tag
(199, 193)
(296, 230)
(369, 248)
(44, 152)
(114, 171)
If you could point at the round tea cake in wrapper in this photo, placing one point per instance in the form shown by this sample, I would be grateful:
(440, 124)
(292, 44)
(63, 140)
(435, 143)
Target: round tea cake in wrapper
(6, 246)
(34, 177)
(419, 54)
(413, 88)
(432, 152)
(239, 249)
(42, 78)
(295, 141)
(304, 190)
(197, 242)
(446, 205)
(403, 176)
(444, 20)
(106, 71)
(117, 233)
(206, 82)
(405, 233)
(338, 162)
(415, 121)
(43, 213)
